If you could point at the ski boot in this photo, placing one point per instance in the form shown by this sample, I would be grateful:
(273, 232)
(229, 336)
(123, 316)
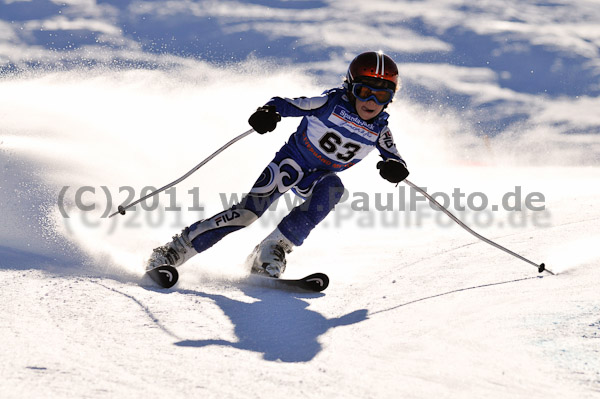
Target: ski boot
(174, 253)
(268, 257)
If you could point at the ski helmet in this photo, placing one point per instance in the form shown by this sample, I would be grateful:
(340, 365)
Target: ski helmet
(373, 68)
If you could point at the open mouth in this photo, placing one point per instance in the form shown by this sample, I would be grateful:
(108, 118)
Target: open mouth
(366, 109)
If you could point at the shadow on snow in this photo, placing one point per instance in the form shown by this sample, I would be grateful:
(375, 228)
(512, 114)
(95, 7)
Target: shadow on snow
(279, 324)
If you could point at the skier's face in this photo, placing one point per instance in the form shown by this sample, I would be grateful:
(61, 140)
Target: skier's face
(368, 109)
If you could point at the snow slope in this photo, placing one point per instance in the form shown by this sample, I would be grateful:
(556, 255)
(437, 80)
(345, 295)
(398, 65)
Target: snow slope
(100, 99)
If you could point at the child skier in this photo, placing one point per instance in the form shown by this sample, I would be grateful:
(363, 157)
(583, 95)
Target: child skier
(338, 129)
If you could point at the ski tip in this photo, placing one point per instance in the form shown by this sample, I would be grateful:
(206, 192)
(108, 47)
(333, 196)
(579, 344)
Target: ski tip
(315, 282)
(318, 281)
(166, 276)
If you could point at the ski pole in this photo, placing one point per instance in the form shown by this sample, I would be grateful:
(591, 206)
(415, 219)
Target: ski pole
(541, 267)
(122, 209)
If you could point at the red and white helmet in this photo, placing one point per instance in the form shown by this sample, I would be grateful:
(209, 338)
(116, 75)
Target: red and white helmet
(373, 67)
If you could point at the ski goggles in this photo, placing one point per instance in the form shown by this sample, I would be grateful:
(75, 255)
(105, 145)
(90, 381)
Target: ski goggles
(363, 92)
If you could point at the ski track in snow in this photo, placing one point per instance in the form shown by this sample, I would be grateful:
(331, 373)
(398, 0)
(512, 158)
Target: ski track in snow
(95, 103)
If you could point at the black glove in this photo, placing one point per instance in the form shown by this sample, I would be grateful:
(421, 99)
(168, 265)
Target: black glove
(264, 119)
(392, 170)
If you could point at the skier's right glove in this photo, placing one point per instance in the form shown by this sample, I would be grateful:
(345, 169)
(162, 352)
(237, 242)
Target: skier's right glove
(392, 170)
(264, 119)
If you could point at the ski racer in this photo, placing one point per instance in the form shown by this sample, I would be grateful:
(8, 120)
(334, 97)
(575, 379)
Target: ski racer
(338, 129)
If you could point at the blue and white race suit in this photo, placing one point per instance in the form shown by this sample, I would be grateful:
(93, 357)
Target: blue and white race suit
(331, 135)
(330, 138)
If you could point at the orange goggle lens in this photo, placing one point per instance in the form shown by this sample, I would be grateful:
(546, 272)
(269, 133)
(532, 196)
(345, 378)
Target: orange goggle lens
(365, 93)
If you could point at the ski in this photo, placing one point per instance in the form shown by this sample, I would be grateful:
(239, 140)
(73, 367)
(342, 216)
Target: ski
(315, 282)
(166, 276)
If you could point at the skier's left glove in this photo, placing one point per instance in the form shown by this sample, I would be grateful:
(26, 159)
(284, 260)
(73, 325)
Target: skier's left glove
(392, 170)
(264, 119)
